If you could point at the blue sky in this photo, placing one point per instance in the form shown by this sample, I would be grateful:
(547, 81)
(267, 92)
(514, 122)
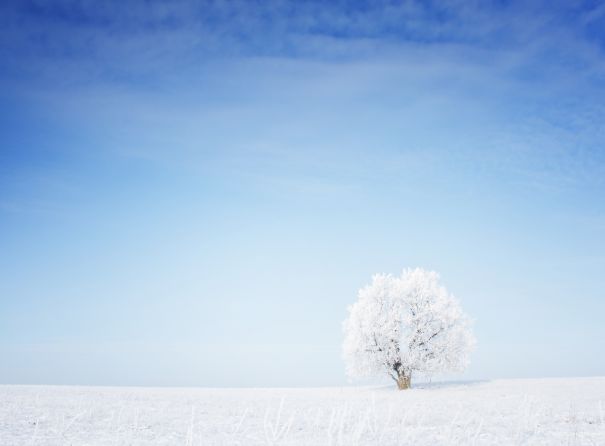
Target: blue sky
(191, 193)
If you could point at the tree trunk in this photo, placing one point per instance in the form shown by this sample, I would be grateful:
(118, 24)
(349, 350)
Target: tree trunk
(404, 382)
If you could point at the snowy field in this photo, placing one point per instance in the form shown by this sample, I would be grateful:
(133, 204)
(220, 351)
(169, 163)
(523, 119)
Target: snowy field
(500, 412)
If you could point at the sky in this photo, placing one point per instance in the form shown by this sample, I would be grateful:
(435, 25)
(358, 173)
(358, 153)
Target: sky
(192, 193)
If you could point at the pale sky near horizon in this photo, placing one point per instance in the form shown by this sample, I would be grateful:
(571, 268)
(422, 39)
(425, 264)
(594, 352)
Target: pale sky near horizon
(191, 193)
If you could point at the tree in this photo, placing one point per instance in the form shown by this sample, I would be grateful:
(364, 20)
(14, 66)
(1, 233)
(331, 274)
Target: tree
(406, 325)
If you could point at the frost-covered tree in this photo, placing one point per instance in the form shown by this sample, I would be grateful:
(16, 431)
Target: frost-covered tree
(406, 325)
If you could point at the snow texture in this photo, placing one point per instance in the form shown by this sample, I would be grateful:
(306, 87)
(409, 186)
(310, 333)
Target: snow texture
(504, 412)
(406, 325)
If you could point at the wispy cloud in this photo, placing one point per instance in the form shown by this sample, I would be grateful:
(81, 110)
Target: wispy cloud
(289, 88)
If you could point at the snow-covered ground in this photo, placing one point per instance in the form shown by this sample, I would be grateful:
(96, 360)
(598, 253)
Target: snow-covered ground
(500, 412)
